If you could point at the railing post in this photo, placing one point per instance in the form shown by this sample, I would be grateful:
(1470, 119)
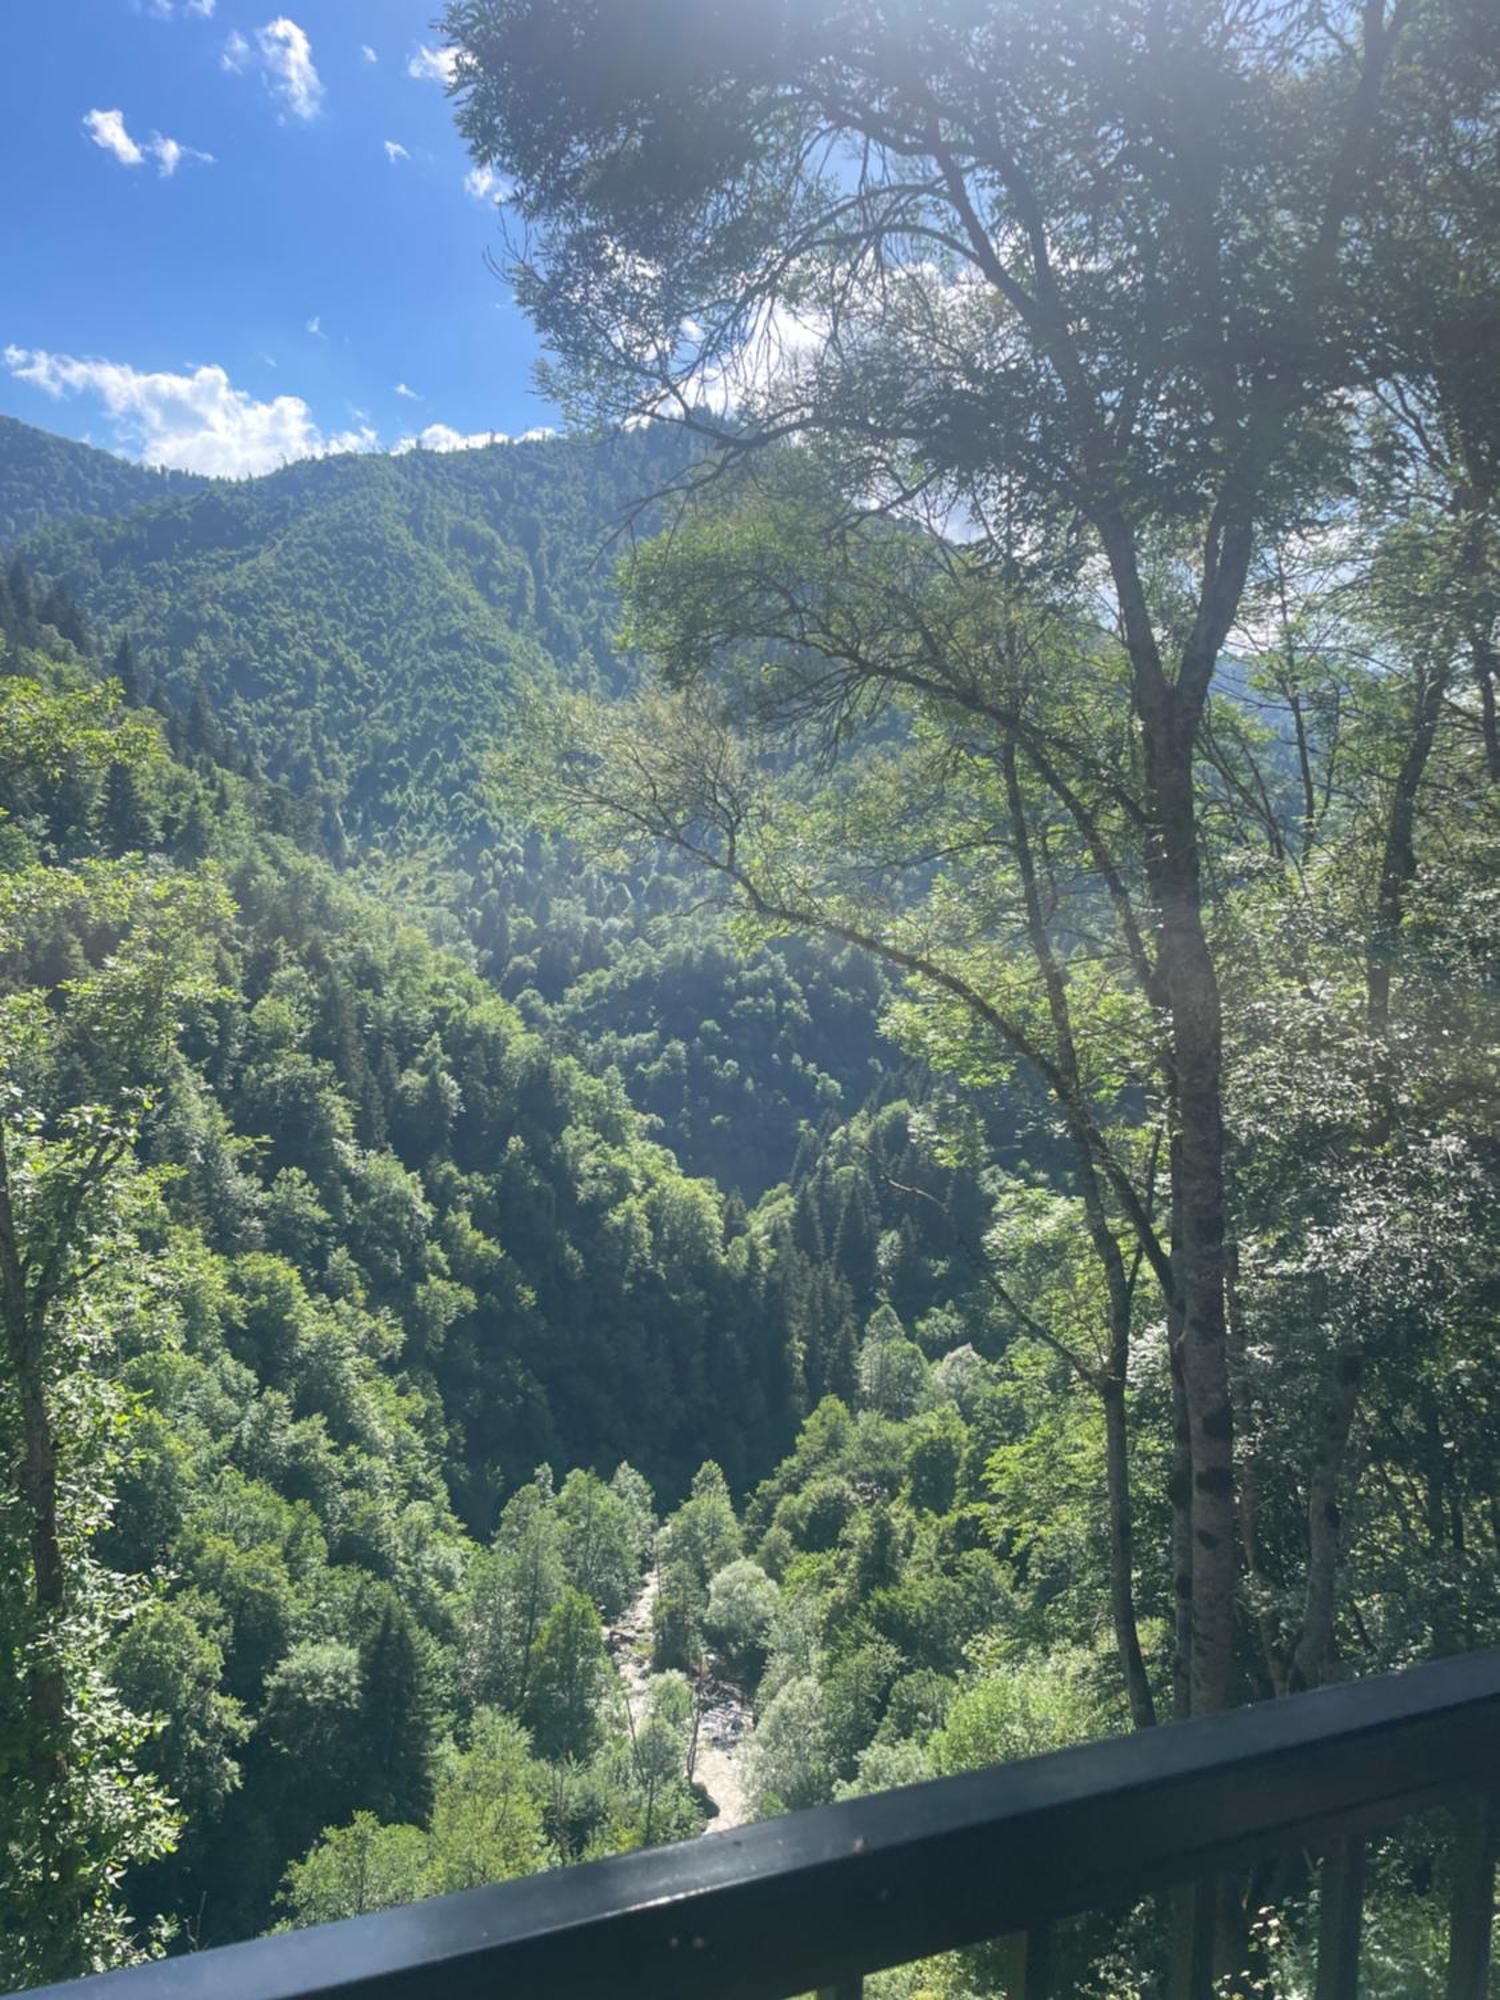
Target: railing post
(1194, 1925)
(1028, 1964)
(1339, 1920)
(1036, 1981)
(1473, 1902)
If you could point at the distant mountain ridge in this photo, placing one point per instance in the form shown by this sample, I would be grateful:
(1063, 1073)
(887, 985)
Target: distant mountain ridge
(46, 479)
(356, 624)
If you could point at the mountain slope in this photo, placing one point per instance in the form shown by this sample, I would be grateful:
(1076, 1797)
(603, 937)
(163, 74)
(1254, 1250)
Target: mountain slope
(46, 479)
(350, 630)
(357, 623)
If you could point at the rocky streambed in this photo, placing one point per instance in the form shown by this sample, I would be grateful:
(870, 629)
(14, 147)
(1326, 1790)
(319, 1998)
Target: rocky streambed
(724, 1719)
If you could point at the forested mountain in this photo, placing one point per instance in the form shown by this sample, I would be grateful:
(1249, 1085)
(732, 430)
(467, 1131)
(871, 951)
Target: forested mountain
(45, 479)
(634, 1196)
(355, 631)
(383, 1231)
(359, 625)
(475, 1156)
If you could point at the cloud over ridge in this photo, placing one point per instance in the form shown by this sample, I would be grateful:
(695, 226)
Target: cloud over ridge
(196, 421)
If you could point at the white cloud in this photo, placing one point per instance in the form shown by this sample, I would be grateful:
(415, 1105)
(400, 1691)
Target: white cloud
(315, 327)
(197, 421)
(287, 54)
(368, 53)
(165, 10)
(107, 129)
(433, 65)
(283, 54)
(778, 343)
(410, 394)
(394, 151)
(486, 185)
(442, 437)
(170, 155)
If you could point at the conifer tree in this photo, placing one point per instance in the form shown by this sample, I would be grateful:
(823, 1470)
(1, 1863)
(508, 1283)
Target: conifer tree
(135, 681)
(397, 1718)
(127, 824)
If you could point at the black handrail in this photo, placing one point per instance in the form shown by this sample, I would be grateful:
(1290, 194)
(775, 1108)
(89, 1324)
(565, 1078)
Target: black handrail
(820, 1898)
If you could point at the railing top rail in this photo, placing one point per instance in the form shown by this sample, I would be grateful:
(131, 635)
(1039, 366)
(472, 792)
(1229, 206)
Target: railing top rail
(790, 1904)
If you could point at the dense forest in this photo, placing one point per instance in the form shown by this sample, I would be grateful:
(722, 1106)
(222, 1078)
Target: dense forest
(720, 1113)
(409, 1170)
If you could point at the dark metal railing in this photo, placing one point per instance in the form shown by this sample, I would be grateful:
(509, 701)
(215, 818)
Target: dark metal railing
(820, 1899)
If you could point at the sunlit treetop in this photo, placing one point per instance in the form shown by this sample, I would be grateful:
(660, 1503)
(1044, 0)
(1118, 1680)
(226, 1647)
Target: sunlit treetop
(1074, 256)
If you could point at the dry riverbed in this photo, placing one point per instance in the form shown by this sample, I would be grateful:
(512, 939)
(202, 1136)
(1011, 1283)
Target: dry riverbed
(725, 1720)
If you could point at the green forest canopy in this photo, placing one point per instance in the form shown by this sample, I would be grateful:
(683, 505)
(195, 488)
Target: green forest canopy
(921, 1129)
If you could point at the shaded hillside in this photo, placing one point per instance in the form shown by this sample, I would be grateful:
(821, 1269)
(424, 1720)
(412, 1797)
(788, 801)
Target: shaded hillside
(45, 479)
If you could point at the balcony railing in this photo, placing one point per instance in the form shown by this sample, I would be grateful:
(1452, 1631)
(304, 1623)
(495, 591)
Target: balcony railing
(820, 1899)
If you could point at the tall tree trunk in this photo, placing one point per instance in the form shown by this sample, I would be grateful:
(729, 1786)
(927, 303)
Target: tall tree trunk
(1199, 1200)
(1272, 1641)
(1111, 1380)
(1486, 668)
(1398, 860)
(1122, 1552)
(1325, 1519)
(1180, 1493)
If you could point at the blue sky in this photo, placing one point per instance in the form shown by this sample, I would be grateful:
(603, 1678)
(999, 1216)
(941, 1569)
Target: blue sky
(318, 282)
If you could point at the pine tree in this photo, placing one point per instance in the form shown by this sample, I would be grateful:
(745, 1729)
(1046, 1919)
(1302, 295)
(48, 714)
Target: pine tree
(808, 1222)
(70, 806)
(126, 823)
(134, 679)
(856, 1239)
(397, 1718)
(22, 601)
(194, 840)
(62, 614)
(203, 734)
